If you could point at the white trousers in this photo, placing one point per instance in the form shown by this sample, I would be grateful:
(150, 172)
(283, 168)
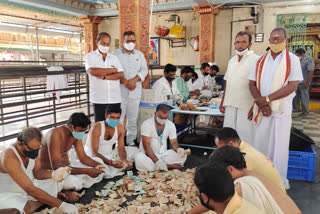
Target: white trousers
(144, 163)
(130, 109)
(18, 200)
(238, 119)
(272, 137)
(114, 155)
(77, 182)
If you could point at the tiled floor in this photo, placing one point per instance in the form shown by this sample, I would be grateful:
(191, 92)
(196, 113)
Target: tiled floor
(309, 125)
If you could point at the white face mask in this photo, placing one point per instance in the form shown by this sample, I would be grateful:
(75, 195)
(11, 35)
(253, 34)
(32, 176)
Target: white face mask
(103, 49)
(129, 46)
(161, 121)
(241, 53)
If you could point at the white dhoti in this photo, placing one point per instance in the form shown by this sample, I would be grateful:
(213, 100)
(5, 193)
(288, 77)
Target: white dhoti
(77, 182)
(144, 163)
(272, 137)
(256, 193)
(19, 199)
(238, 119)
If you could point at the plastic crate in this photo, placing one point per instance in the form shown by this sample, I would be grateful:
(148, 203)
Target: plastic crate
(301, 165)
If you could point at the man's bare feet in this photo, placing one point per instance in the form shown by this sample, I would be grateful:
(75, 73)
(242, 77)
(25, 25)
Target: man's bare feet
(11, 211)
(174, 166)
(69, 196)
(31, 206)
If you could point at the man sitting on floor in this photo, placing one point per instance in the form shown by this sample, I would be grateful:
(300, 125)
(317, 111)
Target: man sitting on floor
(154, 154)
(255, 160)
(24, 185)
(217, 192)
(106, 141)
(59, 141)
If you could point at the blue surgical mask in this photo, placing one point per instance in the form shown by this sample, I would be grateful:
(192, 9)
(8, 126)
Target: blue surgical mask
(78, 135)
(31, 154)
(112, 123)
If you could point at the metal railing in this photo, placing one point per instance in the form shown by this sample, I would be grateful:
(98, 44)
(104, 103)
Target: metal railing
(25, 100)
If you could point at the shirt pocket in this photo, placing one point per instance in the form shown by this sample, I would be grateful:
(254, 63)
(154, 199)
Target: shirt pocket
(134, 63)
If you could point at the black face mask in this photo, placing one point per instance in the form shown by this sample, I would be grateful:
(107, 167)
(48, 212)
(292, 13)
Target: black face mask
(206, 205)
(205, 74)
(212, 75)
(187, 78)
(169, 79)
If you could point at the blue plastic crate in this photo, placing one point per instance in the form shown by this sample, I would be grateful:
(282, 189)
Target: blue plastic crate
(301, 165)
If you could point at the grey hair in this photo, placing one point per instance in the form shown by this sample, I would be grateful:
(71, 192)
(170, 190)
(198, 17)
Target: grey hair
(280, 29)
(28, 134)
(103, 34)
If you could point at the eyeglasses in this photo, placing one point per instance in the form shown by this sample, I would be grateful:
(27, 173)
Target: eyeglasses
(279, 39)
(30, 149)
(128, 41)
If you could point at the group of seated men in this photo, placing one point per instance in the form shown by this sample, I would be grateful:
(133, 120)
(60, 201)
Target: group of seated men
(37, 170)
(188, 84)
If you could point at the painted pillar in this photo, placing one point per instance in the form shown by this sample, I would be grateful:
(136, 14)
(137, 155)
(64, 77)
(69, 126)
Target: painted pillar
(90, 32)
(134, 16)
(207, 14)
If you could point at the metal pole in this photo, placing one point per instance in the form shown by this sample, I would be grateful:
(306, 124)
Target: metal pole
(37, 42)
(25, 99)
(54, 111)
(32, 54)
(87, 88)
(80, 46)
(2, 120)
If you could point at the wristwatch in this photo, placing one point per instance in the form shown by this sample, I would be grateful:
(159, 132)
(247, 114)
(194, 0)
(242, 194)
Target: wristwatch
(267, 99)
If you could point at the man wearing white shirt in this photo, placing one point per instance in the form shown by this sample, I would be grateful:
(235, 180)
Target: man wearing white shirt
(202, 83)
(167, 85)
(154, 154)
(105, 72)
(274, 79)
(135, 71)
(237, 100)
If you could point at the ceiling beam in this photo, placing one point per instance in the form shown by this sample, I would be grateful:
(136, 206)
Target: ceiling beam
(53, 6)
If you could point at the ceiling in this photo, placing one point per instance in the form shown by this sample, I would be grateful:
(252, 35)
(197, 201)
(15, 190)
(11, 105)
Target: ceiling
(65, 14)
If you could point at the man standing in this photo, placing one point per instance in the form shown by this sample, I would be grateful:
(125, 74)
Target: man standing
(237, 100)
(105, 72)
(167, 84)
(154, 154)
(24, 184)
(58, 141)
(135, 71)
(273, 82)
(106, 141)
(302, 93)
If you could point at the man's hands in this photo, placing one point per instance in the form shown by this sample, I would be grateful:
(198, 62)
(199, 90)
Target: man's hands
(131, 84)
(205, 87)
(263, 106)
(160, 165)
(68, 208)
(222, 109)
(250, 113)
(61, 173)
(117, 164)
(93, 172)
(261, 101)
(306, 85)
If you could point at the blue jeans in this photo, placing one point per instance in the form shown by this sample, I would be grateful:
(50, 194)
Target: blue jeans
(302, 95)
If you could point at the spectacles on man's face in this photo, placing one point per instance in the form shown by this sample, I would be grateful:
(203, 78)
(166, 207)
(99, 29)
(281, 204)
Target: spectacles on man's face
(30, 149)
(277, 39)
(128, 41)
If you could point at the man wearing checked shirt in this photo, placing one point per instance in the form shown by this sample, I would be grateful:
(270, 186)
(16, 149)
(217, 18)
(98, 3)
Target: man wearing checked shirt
(135, 71)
